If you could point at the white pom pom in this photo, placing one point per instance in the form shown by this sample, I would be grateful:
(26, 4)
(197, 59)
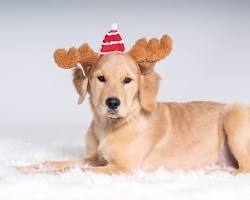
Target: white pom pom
(114, 27)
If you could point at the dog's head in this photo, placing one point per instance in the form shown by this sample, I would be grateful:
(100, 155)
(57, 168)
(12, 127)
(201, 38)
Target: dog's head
(117, 82)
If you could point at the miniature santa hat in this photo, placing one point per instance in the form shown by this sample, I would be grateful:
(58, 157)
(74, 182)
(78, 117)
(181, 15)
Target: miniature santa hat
(112, 41)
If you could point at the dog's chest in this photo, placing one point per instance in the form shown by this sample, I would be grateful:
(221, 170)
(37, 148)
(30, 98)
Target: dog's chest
(125, 147)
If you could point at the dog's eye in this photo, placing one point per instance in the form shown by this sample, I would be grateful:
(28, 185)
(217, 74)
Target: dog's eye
(101, 78)
(127, 80)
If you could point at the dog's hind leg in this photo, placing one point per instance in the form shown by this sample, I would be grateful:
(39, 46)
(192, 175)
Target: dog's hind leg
(236, 124)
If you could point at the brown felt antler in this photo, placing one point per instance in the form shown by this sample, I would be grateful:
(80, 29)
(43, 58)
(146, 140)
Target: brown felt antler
(84, 55)
(147, 53)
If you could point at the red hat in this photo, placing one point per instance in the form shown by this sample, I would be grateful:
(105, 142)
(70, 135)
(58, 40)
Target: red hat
(112, 41)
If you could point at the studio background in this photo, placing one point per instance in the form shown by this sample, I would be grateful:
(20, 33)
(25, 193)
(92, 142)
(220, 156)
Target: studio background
(210, 59)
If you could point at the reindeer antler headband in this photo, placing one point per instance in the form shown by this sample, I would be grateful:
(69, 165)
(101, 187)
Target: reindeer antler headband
(146, 53)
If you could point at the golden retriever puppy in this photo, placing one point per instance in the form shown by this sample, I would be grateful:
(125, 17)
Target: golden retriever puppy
(131, 131)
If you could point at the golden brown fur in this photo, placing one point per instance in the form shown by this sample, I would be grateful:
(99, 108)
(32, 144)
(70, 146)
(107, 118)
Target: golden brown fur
(145, 134)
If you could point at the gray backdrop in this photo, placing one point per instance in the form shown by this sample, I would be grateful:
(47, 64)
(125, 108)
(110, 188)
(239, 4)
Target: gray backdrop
(210, 59)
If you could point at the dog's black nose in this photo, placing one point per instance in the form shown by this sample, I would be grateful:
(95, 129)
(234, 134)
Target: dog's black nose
(113, 102)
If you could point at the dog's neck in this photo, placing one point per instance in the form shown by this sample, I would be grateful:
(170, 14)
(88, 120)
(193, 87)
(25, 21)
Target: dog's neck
(116, 123)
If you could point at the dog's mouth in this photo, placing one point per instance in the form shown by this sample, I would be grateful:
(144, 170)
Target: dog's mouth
(113, 114)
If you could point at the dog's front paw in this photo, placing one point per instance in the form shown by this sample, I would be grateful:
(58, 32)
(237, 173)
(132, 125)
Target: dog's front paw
(30, 169)
(55, 164)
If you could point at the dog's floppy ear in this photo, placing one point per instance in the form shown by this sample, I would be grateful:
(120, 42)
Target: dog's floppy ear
(146, 54)
(84, 58)
(81, 84)
(148, 89)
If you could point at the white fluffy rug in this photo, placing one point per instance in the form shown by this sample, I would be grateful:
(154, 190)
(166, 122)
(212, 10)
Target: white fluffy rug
(76, 185)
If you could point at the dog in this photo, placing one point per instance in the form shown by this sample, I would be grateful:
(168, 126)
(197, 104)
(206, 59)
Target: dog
(131, 131)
